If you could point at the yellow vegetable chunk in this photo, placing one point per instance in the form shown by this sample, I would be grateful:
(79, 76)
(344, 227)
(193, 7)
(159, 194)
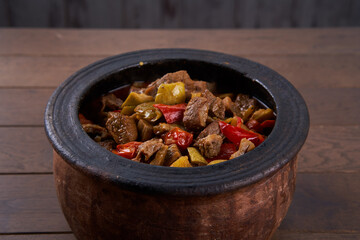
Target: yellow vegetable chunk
(148, 112)
(196, 157)
(135, 99)
(181, 162)
(171, 93)
(216, 162)
(263, 114)
(127, 110)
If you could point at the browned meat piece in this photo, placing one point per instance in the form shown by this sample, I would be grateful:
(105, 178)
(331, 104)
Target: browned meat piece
(196, 113)
(243, 102)
(164, 128)
(160, 156)
(109, 144)
(172, 154)
(121, 127)
(147, 149)
(210, 145)
(179, 76)
(110, 102)
(231, 107)
(212, 128)
(145, 130)
(216, 107)
(245, 146)
(96, 132)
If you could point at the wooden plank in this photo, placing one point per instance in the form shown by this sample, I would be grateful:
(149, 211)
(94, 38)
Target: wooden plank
(23, 106)
(29, 204)
(322, 203)
(301, 70)
(283, 235)
(24, 150)
(334, 150)
(331, 149)
(39, 71)
(43, 13)
(238, 42)
(325, 202)
(26, 106)
(58, 236)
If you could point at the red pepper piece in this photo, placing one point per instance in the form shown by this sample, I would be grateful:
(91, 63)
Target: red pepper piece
(235, 134)
(127, 150)
(178, 136)
(239, 121)
(268, 124)
(172, 113)
(254, 125)
(226, 150)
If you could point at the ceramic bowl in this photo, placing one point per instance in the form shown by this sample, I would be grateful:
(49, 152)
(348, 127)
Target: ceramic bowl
(105, 196)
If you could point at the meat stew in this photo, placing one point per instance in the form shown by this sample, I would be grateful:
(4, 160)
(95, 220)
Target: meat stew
(178, 122)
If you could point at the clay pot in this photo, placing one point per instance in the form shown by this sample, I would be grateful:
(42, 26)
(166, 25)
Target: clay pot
(105, 196)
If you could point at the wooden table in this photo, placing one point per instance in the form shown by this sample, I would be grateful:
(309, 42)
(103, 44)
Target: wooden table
(322, 63)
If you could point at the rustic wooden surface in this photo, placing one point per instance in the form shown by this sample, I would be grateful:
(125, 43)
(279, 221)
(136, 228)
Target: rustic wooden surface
(322, 64)
(179, 13)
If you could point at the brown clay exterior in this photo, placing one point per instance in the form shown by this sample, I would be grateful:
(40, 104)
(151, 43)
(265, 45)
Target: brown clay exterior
(97, 209)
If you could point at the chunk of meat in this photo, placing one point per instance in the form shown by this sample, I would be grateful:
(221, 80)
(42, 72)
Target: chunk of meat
(109, 144)
(162, 128)
(147, 149)
(110, 102)
(160, 156)
(196, 114)
(121, 127)
(96, 132)
(179, 76)
(231, 107)
(216, 105)
(172, 154)
(212, 128)
(145, 130)
(243, 102)
(210, 145)
(245, 146)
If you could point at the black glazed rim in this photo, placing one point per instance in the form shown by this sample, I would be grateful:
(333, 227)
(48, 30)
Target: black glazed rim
(72, 144)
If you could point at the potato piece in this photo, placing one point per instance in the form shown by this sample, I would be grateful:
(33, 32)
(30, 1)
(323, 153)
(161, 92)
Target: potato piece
(262, 115)
(171, 93)
(245, 146)
(181, 162)
(196, 157)
(216, 162)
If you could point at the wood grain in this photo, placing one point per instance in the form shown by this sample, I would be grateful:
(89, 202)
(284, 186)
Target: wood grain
(26, 106)
(62, 42)
(24, 150)
(322, 203)
(325, 202)
(29, 204)
(283, 235)
(300, 70)
(57, 236)
(327, 149)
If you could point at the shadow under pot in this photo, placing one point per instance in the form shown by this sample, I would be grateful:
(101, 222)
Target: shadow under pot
(105, 196)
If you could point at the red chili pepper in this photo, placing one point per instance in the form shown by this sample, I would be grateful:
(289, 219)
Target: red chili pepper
(127, 150)
(268, 124)
(235, 134)
(178, 136)
(226, 150)
(172, 113)
(254, 125)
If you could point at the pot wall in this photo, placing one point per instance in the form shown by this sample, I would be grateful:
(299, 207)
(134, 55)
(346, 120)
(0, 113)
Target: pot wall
(96, 209)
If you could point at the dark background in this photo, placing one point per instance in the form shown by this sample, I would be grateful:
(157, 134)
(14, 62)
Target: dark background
(179, 13)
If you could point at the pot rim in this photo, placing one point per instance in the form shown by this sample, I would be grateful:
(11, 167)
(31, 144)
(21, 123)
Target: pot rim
(65, 133)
